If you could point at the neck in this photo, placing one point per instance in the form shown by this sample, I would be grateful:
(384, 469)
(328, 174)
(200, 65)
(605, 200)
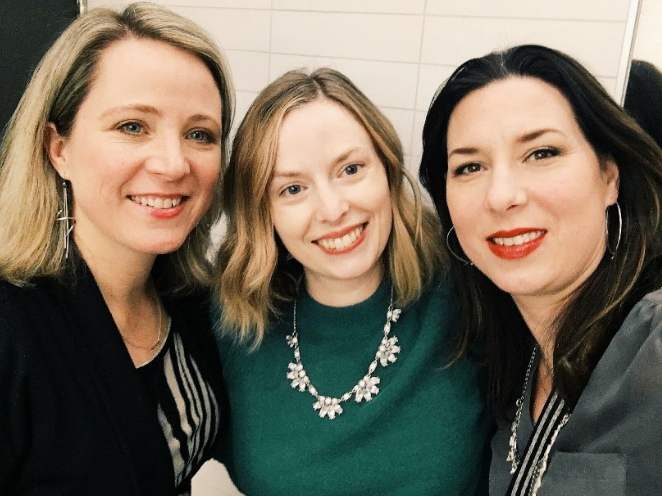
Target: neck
(343, 293)
(123, 278)
(539, 317)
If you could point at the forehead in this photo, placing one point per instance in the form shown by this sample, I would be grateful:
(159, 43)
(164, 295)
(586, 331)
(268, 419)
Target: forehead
(144, 70)
(511, 106)
(317, 132)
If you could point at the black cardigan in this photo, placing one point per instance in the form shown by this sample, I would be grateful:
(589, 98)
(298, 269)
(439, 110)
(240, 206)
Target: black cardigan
(75, 418)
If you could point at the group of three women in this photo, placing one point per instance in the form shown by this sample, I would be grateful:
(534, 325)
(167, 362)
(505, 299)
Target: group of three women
(357, 353)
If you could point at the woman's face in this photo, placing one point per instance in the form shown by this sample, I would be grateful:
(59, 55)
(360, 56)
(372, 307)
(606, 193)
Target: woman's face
(526, 192)
(144, 154)
(329, 197)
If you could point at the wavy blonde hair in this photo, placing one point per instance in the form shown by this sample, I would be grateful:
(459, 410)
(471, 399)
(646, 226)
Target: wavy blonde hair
(31, 240)
(253, 274)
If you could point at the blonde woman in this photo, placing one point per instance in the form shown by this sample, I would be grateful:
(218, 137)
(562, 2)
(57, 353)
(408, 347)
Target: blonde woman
(108, 188)
(332, 273)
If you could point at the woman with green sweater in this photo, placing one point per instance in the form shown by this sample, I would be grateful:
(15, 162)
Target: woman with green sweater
(339, 324)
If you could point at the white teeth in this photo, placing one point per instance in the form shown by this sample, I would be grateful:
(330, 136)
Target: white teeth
(160, 203)
(518, 240)
(343, 242)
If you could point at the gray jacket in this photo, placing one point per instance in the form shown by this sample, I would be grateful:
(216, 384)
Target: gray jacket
(612, 444)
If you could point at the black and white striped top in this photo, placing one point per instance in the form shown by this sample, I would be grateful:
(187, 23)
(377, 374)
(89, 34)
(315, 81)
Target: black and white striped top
(187, 408)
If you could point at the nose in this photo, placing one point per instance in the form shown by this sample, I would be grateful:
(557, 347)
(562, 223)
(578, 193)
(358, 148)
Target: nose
(505, 189)
(331, 203)
(168, 157)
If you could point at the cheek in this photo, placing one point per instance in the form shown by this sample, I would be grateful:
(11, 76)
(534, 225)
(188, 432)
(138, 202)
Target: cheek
(463, 206)
(285, 222)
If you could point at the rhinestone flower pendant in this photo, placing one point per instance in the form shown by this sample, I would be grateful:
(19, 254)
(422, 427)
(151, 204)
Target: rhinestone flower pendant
(328, 407)
(366, 389)
(298, 376)
(388, 349)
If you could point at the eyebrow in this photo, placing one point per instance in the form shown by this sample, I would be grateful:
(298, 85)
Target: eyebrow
(147, 109)
(525, 138)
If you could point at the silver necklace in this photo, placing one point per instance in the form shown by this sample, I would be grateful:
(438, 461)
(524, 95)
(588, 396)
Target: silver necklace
(364, 390)
(513, 453)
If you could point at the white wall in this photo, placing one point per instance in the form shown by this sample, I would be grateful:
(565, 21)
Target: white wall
(398, 52)
(648, 44)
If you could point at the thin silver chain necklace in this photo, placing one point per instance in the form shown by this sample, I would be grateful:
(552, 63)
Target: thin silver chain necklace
(364, 390)
(513, 454)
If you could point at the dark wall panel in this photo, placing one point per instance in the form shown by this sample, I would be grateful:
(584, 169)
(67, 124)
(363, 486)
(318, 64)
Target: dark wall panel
(27, 29)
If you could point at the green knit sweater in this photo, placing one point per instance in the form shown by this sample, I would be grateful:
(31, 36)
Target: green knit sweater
(425, 433)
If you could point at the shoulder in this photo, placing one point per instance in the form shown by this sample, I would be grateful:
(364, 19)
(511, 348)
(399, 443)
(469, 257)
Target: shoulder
(438, 295)
(19, 303)
(644, 320)
(21, 307)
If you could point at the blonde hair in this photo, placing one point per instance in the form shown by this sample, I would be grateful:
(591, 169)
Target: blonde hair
(31, 240)
(253, 274)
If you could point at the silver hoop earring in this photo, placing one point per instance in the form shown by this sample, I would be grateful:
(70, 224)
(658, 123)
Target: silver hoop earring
(620, 229)
(448, 244)
(63, 216)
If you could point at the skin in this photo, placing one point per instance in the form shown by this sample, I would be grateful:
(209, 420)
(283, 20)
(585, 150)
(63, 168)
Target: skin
(519, 163)
(147, 132)
(330, 202)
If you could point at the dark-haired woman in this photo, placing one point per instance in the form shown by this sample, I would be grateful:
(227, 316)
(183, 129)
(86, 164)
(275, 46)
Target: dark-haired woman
(550, 196)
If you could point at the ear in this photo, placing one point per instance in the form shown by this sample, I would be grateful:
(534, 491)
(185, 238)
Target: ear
(55, 148)
(611, 175)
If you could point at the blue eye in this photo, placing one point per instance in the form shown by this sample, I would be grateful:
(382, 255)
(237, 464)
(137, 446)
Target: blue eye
(201, 136)
(292, 190)
(351, 169)
(131, 128)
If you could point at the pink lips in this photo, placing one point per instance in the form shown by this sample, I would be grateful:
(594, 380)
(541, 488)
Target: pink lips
(340, 234)
(523, 241)
(161, 213)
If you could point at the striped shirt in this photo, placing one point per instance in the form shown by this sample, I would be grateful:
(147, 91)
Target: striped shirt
(187, 408)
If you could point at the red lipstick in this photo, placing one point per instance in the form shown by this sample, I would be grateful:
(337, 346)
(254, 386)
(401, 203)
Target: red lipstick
(515, 251)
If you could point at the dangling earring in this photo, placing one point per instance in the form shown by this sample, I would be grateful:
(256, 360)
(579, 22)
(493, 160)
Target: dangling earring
(458, 257)
(620, 228)
(63, 216)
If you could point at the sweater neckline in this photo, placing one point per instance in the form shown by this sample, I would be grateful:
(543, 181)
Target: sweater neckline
(353, 319)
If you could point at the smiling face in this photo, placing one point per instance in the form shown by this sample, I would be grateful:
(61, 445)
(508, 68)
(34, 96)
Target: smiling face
(330, 199)
(525, 190)
(144, 154)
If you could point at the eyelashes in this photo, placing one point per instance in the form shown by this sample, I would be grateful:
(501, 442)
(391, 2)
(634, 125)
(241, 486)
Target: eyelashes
(538, 155)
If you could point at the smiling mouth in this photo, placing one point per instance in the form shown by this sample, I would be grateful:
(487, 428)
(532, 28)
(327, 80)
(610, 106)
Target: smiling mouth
(157, 202)
(341, 242)
(518, 240)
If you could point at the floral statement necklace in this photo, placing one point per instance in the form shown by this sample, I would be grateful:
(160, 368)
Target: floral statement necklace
(364, 390)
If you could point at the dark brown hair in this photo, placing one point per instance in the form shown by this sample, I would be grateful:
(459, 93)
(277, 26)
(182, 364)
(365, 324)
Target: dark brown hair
(598, 307)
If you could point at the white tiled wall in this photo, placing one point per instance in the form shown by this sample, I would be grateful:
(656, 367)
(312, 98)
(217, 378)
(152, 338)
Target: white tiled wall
(397, 52)
(649, 42)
